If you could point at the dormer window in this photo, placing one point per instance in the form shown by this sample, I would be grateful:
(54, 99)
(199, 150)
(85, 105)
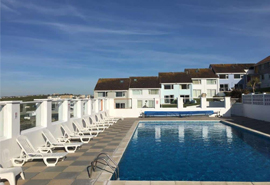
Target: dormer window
(238, 76)
(102, 94)
(223, 76)
(168, 86)
(120, 94)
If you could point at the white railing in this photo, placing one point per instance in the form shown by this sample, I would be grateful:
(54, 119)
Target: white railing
(28, 114)
(256, 99)
(1, 120)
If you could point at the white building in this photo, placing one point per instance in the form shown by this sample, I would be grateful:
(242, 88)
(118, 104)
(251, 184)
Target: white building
(262, 68)
(145, 90)
(116, 88)
(175, 85)
(204, 81)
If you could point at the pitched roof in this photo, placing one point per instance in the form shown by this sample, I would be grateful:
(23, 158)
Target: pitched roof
(174, 77)
(201, 73)
(265, 60)
(144, 82)
(112, 84)
(230, 68)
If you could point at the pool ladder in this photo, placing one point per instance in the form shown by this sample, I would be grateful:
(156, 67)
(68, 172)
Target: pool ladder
(106, 160)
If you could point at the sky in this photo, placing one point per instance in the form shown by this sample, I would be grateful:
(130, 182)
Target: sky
(65, 46)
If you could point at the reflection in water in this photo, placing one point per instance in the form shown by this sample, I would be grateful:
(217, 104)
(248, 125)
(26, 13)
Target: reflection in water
(181, 133)
(205, 133)
(157, 134)
(229, 134)
(135, 136)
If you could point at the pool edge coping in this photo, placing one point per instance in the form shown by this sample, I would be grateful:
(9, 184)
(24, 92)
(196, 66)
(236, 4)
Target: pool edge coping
(105, 177)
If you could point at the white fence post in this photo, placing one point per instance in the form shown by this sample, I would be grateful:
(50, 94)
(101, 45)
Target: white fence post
(44, 113)
(180, 103)
(203, 103)
(88, 107)
(134, 103)
(251, 98)
(78, 109)
(157, 103)
(64, 112)
(227, 102)
(12, 119)
(264, 98)
(96, 107)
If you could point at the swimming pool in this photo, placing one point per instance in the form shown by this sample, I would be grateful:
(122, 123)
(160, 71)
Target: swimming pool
(195, 151)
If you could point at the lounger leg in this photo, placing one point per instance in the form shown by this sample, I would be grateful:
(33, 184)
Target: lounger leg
(11, 179)
(22, 175)
(50, 164)
(85, 141)
(70, 150)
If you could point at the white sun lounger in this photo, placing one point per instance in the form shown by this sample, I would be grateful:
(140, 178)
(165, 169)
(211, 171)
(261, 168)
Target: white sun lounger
(98, 121)
(97, 124)
(52, 142)
(88, 123)
(28, 153)
(103, 119)
(80, 130)
(69, 135)
(10, 174)
(112, 118)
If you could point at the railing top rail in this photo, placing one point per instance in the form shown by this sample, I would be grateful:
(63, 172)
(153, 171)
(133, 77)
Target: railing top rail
(28, 102)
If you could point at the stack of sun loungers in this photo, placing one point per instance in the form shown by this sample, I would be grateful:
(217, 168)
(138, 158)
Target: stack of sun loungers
(83, 131)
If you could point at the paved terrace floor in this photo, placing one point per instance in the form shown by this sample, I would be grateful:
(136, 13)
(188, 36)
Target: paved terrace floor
(73, 169)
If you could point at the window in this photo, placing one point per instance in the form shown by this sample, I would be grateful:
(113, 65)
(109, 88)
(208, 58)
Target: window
(169, 98)
(153, 91)
(102, 94)
(139, 103)
(168, 86)
(196, 93)
(120, 105)
(211, 92)
(262, 76)
(211, 81)
(184, 86)
(119, 94)
(151, 104)
(185, 98)
(137, 92)
(196, 81)
(238, 76)
(224, 87)
(223, 76)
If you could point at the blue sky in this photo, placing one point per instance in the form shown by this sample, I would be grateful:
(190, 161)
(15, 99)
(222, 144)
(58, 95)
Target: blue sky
(65, 46)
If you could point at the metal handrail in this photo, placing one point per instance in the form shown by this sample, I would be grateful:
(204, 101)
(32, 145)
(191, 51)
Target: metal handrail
(100, 159)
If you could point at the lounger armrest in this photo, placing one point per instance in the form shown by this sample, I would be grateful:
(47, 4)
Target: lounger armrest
(63, 140)
(44, 149)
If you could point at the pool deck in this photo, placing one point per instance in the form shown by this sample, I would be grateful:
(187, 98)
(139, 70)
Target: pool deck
(114, 141)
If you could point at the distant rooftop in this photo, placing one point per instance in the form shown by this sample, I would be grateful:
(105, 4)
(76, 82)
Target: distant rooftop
(231, 68)
(265, 60)
(201, 73)
(174, 77)
(112, 84)
(144, 82)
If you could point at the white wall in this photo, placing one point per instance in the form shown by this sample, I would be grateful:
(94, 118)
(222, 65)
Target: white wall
(259, 112)
(136, 112)
(204, 86)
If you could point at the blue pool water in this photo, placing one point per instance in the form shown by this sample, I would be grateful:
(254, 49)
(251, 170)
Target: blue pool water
(195, 151)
